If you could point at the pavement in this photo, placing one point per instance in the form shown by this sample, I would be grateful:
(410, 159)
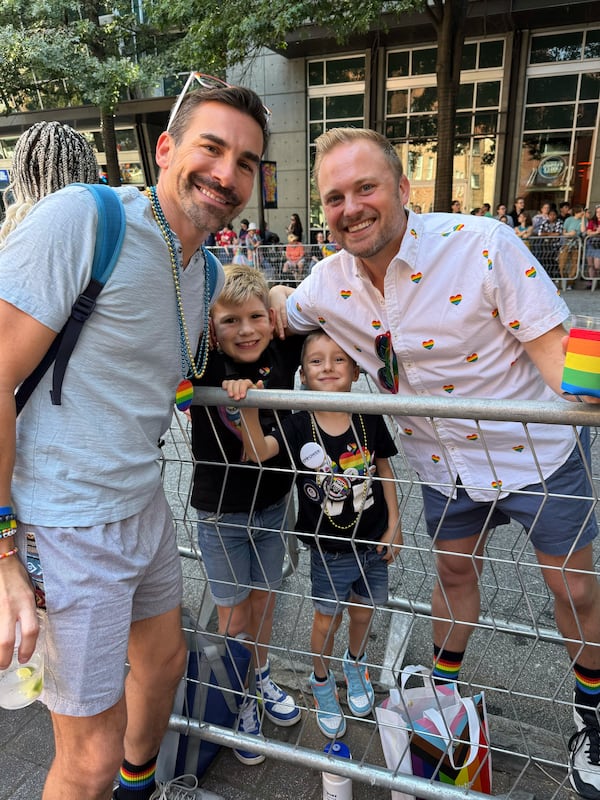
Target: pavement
(26, 742)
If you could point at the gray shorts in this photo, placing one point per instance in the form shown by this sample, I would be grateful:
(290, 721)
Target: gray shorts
(97, 581)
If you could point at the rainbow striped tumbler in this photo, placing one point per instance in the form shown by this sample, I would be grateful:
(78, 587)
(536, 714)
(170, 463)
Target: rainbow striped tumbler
(581, 374)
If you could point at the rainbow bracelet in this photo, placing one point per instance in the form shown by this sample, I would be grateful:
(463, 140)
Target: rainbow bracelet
(9, 553)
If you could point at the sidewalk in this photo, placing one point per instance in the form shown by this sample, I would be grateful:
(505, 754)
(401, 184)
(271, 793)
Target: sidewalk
(26, 753)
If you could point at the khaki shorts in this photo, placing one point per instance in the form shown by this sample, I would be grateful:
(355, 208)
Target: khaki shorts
(97, 581)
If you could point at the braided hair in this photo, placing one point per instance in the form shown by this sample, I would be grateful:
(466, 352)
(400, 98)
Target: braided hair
(47, 156)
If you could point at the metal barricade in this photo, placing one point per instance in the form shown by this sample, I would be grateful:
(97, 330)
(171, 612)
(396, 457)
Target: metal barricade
(590, 262)
(561, 257)
(272, 260)
(515, 654)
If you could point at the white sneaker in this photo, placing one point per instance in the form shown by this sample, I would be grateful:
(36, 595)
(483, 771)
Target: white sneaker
(279, 706)
(248, 721)
(584, 755)
(185, 787)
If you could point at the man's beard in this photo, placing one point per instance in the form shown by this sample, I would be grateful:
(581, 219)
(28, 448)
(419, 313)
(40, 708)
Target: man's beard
(208, 218)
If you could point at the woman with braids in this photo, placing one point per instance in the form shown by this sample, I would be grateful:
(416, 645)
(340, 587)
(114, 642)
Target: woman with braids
(48, 156)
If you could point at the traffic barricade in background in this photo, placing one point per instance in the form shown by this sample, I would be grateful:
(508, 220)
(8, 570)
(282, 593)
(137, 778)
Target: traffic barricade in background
(515, 654)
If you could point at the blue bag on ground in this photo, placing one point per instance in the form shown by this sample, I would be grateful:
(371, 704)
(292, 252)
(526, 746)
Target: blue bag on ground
(212, 690)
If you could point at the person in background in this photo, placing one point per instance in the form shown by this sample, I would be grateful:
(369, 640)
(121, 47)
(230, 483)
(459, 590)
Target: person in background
(540, 218)
(568, 257)
(507, 317)
(316, 250)
(502, 216)
(244, 223)
(295, 227)
(524, 228)
(487, 210)
(293, 266)
(47, 157)
(456, 207)
(417, 209)
(352, 527)
(592, 244)
(331, 246)
(564, 211)
(518, 208)
(89, 493)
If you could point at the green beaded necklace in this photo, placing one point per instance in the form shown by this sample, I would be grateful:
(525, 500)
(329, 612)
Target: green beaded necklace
(189, 365)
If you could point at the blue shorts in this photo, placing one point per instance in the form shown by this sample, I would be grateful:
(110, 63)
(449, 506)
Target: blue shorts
(242, 552)
(559, 517)
(337, 578)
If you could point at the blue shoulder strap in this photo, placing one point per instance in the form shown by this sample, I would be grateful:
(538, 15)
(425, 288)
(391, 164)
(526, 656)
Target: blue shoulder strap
(110, 231)
(212, 270)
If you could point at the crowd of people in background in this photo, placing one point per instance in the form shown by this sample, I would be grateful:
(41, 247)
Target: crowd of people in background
(554, 233)
(290, 262)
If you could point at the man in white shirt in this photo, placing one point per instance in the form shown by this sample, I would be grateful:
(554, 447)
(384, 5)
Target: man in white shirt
(431, 305)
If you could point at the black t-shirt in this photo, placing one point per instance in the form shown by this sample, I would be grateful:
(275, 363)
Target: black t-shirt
(221, 480)
(334, 482)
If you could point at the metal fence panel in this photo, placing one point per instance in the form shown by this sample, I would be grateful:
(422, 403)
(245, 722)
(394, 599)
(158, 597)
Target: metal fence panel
(515, 653)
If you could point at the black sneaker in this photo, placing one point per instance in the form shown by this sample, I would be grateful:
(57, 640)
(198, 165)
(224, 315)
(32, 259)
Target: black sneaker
(584, 755)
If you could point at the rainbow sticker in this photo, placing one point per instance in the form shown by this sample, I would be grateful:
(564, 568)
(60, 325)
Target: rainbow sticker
(298, 307)
(472, 437)
(455, 299)
(515, 324)
(376, 324)
(449, 387)
(416, 277)
(345, 294)
(408, 431)
(496, 484)
(322, 320)
(473, 357)
(435, 458)
(518, 448)
(531, 272)
(184, 395)
(428, 344)
(413, 233)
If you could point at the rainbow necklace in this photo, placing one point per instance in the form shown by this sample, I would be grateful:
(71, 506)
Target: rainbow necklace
(190, 366)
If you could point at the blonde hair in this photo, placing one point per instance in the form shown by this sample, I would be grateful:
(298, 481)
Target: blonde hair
(336, 136)
(241, 284)
(47, 157)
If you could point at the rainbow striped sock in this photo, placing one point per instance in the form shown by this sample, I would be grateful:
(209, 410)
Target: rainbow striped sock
(446, 664)
(587, 686)
(136, 782)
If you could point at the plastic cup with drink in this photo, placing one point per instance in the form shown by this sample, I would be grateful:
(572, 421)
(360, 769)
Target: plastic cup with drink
(581, 374)
(21, 684)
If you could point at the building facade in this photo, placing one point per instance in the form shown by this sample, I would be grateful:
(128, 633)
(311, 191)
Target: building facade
(526, 123)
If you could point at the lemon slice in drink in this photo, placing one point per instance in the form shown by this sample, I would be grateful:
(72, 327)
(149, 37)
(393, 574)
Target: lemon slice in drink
(25, 672)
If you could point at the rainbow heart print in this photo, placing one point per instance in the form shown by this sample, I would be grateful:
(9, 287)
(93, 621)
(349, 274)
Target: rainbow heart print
(581, 374)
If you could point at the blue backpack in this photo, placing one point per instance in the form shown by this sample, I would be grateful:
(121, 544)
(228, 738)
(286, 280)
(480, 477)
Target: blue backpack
(110, 231)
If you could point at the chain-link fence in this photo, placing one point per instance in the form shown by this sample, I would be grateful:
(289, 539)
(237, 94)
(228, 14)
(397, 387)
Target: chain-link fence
(515, 655)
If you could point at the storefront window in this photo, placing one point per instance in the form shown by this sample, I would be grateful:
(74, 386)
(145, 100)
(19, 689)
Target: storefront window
(560, 117)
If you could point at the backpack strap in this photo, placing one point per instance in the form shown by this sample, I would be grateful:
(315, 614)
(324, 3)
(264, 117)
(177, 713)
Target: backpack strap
(110, 230)
(212, 271)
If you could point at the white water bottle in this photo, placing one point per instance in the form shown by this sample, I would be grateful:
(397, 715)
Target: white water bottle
(337, 787)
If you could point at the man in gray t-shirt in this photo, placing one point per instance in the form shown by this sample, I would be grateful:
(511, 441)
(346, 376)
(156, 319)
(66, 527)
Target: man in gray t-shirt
(80, 481)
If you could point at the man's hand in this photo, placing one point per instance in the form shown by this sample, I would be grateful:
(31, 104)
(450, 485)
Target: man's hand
(278, 296)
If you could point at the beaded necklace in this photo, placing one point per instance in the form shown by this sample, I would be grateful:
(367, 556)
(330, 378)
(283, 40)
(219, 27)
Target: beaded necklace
(365, 480)
(189, 366)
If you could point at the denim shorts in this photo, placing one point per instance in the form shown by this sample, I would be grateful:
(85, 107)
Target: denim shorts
(558, 524)
(242, 552)
(337, 578)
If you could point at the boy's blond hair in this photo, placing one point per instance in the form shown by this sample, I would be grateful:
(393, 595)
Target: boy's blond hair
(243, 283)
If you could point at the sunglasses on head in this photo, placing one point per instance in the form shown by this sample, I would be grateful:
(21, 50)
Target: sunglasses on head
(205, 82)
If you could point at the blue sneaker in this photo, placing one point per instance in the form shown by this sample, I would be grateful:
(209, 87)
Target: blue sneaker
(360, 695)
(330, 719)
(279, 706)
(248, 721)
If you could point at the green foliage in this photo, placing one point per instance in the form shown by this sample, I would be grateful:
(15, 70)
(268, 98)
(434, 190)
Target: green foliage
(217, 34)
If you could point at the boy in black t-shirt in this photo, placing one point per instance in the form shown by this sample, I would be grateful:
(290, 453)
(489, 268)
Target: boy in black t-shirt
(350, 519)
(241, 510)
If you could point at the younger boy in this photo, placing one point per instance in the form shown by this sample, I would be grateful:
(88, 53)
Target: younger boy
(350, 520)
(241, 510)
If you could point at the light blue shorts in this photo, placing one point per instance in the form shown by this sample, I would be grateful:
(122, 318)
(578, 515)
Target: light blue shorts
(242, 552)
(337, 578)
(558, 517)
(97, 581)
